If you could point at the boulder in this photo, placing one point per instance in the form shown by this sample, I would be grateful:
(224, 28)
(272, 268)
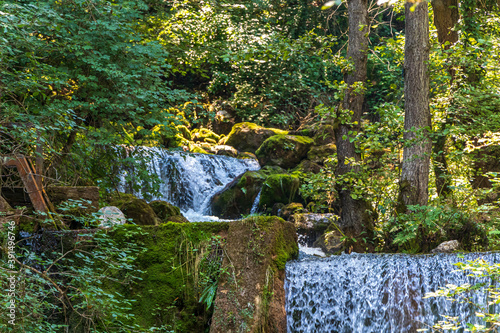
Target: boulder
(292, 208)
(177, 219)
(236, 198)
(279, 188)
(225, 150)
(285, 151)
(249, 137)
(307, 166)
(318, 154)
(110, 216)
(136, 209)
(447, 247)
(204, 135)
(164, 209)
(246, 154)
(311, 225)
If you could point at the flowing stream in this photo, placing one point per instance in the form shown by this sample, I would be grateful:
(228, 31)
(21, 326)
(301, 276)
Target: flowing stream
(378, 293)
(190, 180)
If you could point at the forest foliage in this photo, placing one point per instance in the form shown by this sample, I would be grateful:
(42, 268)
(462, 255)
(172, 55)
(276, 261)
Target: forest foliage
(88, 79)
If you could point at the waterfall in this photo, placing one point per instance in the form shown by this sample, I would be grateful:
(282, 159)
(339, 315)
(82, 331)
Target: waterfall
(255, 205)
(373, 292)
(190, 180)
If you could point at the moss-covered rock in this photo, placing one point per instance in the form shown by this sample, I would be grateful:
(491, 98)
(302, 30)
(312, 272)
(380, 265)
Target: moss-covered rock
(164, 210)
(291, 209)
(318, 154)
(246, 154)
(205, 135)
(184, 132)
(285, 151)
(251, 296)
(279, 188)
(136, 209)
(236, 199)
(249, 136)
(177, 219)
(307, 166)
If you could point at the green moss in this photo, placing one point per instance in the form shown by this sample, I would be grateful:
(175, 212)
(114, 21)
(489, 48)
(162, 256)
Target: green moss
(167, 294)
(248, 137)
(164, 209)
(202, 134)
(280, 188)
(184, 131)
(285, 151)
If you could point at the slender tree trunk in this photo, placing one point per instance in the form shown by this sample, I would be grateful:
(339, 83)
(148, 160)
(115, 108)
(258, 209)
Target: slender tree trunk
(416, 154)
(354, 212)
(446, 16)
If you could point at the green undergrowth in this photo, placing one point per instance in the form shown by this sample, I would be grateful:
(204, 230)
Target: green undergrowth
(180, 266)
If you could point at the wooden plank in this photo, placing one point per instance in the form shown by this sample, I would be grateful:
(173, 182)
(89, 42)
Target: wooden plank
(36, 194)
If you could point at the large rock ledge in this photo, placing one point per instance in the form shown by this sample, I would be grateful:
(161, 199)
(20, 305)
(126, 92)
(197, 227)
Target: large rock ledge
(251, 296)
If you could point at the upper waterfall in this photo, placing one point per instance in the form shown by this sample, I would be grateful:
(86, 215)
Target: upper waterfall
(189, 180)
(381, 293)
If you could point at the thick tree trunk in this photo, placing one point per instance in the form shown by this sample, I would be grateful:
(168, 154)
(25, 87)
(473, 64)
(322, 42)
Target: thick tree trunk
(354, 212)
(416, 154)
(446, 16)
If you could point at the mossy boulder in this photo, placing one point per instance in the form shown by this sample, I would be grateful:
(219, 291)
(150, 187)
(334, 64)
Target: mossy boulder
(291, 209)
(279, 188)
(205, 135)
(136, 209)
(285, 151)
(251, 298)
(165, 211)
(249, 137)
(236, 199)
(184, 132)
(246, 154)
(177, 219)
(307, 166)
(318, 154)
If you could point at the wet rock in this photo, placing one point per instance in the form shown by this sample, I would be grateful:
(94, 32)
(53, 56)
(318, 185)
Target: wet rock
(248, 137)
(279, 188)
(447, 247)
(110, 216)
(225, 150)
(311, 225)
(285, 151)
(165, 211)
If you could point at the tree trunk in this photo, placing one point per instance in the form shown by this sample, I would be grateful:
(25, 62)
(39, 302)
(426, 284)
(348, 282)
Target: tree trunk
(355, 214)
(446, 16)
(416, 154)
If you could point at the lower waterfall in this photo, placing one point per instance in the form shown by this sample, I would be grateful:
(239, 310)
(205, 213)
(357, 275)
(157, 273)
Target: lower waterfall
(189, 180)
(379, 293)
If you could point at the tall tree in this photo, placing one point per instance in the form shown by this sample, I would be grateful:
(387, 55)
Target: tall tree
(446, 16)
(355, 211)
(416, 154)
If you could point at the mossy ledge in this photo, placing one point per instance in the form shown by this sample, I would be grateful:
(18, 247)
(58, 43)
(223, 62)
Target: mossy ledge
(169, 292)
(251, 296)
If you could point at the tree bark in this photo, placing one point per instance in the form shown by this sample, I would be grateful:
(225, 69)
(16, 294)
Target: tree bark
(355, 214)
(446, 16)
(416, 154)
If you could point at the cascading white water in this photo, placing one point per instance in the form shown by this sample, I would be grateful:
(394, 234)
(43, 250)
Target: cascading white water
(190, 180)
(380, 293)
(255, 205)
